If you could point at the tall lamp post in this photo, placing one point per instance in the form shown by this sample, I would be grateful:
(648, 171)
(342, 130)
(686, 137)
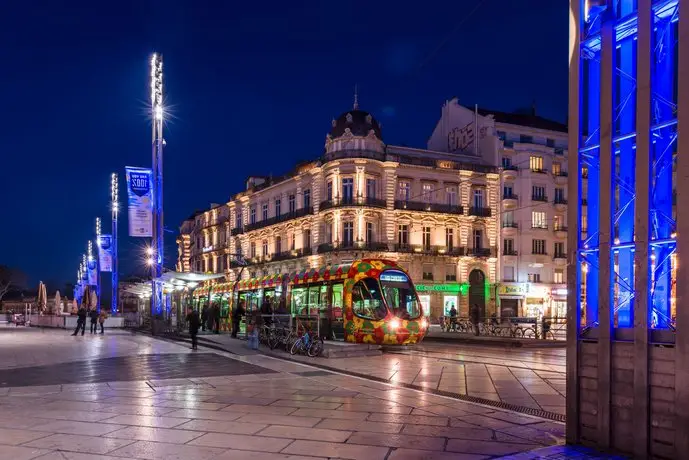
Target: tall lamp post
(114, 195)
(157, 144)
(98, 280)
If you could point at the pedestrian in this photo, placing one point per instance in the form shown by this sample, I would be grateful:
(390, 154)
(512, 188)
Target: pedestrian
(194, 323)
(237, 317)
(204, 317)
(101, 320)
(267, 312)
(453, 318)
(474, 313)
(216, 318)
(256, 324)
(81, 321)
(93, 314)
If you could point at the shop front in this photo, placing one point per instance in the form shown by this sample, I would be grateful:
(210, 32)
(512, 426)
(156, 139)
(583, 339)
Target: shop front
(511, 299)
(438, 299)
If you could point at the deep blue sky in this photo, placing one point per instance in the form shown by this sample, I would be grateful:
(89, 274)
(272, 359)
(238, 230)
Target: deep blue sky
(253, 87)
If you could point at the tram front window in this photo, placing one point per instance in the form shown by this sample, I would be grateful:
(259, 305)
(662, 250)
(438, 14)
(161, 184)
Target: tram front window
(367, 301)
(400, 295)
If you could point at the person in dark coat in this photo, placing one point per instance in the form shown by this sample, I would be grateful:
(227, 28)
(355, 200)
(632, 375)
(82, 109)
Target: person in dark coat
(474, 314)
(93, 314)
(81, 321)
(204, 317)
(216, 318)
(194, 323)
(267, 311)
(237, 317)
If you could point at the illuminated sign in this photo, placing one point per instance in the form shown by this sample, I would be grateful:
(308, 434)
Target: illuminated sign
(208, 248)
(394, 277)
(511, 289)
(448, 287)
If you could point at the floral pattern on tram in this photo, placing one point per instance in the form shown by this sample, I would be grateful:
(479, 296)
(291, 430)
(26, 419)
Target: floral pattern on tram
(382, 332)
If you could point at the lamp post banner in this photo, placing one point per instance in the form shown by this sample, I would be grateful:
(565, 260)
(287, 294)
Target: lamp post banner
(140, 201)
(105, 253)
(92, 273)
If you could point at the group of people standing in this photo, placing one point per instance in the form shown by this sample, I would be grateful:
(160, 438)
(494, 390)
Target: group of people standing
(96, 319)
(210, 319)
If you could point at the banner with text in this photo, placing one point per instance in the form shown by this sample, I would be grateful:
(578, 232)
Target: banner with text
(92, 273)
(140, 201)
(105, 253)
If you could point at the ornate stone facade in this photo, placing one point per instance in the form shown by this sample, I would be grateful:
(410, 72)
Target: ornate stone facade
(435, 213)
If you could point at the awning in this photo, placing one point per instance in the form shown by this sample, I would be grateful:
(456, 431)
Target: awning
(267, 281)
(331, 272)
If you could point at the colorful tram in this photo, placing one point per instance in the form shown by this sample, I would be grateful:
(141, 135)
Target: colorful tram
(368, 301)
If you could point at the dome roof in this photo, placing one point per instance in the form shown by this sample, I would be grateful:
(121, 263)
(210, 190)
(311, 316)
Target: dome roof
(358, 122)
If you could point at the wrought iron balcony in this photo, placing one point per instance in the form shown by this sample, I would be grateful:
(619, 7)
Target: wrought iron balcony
(510, 225)
(509, 253)
(482, 252)
(480, 212)
(237, 231)
(509, 196)
(353, 201)
(277, 219)
(428, 207)
(542, 198)
(560, 200)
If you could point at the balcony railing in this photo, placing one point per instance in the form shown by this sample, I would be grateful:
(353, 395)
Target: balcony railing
(560, 228)
(481, 252)
(277, 219)
(510, 168)
(542, 198)
(353, 201)
(237, 231)
(428, 207)
(510, 225)
(509, 196)
(560, 255)
(560, 200)
(506, 252)
(539, 226)
(561, 174)
(480, 212)
(539, 170)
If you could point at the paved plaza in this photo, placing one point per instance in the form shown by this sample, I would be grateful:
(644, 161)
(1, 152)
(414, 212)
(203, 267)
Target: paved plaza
(122, 395)
(529, 380)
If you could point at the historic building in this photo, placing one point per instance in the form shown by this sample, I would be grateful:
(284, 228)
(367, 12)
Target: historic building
(434, 212)
(531, 153)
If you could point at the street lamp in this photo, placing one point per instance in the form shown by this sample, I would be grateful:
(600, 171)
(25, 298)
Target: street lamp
(98, 280)
(157, 163)
(114, 197)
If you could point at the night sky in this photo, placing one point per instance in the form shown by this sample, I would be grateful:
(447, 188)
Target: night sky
(252, 87)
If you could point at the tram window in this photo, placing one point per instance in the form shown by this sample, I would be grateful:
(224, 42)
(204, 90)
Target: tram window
(299, 296)
(400, 295)
(367, 301)
(314, 299)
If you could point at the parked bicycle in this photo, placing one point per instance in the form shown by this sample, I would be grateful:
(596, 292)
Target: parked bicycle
(309, 344)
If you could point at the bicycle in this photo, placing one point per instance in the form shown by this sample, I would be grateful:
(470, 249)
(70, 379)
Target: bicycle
(308, 344)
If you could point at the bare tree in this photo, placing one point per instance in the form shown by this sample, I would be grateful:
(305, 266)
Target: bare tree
(10, 280)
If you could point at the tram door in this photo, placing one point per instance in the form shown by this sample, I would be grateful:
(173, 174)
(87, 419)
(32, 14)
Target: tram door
(477, 291)
(336, 303)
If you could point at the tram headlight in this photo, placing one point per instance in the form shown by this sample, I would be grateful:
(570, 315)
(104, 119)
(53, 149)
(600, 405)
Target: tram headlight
(395, 323)
(424, 324)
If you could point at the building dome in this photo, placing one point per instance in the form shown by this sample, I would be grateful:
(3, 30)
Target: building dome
(358, 122)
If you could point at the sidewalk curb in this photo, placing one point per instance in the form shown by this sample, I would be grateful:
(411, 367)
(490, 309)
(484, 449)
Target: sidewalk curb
(486, 402)
(497, 341)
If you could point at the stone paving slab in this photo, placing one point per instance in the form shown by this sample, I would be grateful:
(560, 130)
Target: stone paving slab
(285, 410)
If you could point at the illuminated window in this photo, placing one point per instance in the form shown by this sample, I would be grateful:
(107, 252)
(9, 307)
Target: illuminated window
(539, 219)
(558, 276)
(403, 191)
(536, 163)
(427, 192)
(557, 169)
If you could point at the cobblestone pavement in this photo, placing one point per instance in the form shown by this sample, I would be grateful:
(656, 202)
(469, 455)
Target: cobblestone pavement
(293, 412)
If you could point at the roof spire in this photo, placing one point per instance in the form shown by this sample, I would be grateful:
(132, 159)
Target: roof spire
(356, 97)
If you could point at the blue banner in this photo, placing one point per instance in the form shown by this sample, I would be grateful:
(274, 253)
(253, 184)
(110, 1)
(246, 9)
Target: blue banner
(92, 273)
(140, 201)
(105, 253)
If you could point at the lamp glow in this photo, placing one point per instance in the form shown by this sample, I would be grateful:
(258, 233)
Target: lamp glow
(395, 323)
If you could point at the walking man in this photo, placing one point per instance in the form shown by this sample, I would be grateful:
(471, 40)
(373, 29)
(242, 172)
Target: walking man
(237, 317)
(81, 321)
(194, 323)
(204, 317)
